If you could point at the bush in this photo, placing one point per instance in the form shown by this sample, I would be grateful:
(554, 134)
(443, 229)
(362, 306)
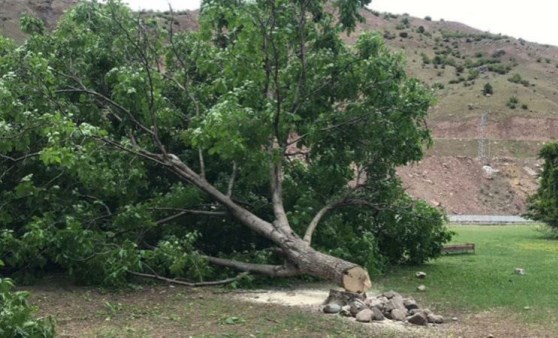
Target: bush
(403, 34)
(16, 315)
(516, 78)
(488, 90)
(420, 30)
(512, 102)
(428, 18)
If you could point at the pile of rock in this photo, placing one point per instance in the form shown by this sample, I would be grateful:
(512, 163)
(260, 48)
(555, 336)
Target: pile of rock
(389, 305)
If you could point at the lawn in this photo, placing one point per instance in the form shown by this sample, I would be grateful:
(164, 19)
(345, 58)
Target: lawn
(486, 280)
(480, 289)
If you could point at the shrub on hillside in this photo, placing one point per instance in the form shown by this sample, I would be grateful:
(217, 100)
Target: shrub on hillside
(488, 89)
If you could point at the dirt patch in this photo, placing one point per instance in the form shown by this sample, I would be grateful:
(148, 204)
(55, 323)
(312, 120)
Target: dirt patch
(460, 185)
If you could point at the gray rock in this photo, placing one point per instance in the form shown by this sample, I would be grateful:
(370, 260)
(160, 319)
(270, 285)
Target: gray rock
(421, 288)
(414, 311)
(454, 319)
(418, 319)
(421, 274)
(398, 303)
(398, 315)
(332, 308)
(346, 311)
(378, 315)
(364, 316)
(390, 294)
(436, 319)
(410, 303)
(388, 307)
(356, 306)
(375, 302)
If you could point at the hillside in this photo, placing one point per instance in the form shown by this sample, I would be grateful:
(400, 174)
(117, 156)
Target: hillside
(504, 128)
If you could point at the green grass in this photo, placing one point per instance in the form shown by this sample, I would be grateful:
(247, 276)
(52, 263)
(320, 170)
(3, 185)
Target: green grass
(486, 280)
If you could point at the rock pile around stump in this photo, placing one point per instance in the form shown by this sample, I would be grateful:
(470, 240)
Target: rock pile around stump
(389, 305)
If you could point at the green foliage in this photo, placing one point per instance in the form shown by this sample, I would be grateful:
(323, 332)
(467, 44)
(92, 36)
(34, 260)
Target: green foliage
(543, 205)
(32, 25)
(512, 102)
(16, 315)
(488, 89)
(91, 113)
(516, 78)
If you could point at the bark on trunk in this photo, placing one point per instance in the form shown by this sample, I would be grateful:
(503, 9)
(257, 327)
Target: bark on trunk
(348, 275)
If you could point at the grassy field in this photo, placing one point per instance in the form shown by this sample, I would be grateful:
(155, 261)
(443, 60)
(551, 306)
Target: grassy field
(486, 280)
(480, 289)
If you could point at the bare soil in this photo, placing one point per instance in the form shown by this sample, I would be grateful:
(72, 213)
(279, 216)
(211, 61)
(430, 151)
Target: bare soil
(460, 185)
(166, 311)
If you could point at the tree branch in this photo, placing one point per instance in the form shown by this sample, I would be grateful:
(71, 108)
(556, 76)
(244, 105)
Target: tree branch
(231, 181)
(193, 285)
(318, 217)
(264, 269)
(186, 212)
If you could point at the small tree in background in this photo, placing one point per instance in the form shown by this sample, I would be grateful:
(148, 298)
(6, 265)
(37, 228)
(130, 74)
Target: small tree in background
(543, 205)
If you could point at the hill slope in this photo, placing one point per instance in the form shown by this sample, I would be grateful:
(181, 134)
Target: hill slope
(505, 128)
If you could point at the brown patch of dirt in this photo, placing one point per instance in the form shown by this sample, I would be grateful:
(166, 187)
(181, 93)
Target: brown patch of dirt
(460, 185)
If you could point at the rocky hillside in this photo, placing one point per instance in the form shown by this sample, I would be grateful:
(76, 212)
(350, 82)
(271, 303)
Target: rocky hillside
(497, 104)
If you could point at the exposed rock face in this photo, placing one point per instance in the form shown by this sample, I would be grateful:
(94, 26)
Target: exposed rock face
(390, 305)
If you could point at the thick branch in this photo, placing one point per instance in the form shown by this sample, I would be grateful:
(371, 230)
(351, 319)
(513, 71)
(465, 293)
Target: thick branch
(231, 180)
(264, 269)
(193, 285)
(318, 217)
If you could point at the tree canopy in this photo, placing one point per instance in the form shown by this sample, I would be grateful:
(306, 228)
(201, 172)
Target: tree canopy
(261, 142)
(543, 205)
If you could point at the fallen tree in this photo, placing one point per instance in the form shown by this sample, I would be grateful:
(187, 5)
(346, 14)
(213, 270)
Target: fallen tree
(263, 117)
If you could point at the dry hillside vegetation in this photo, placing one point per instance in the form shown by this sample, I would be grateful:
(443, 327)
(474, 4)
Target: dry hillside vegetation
(457, 61)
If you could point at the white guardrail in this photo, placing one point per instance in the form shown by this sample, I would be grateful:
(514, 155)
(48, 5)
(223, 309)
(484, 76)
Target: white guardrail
(487, 219)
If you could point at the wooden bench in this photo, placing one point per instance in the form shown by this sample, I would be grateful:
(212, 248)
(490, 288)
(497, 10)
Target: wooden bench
(458, 248)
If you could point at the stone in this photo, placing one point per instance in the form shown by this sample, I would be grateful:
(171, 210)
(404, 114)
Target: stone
(378, 315)
(375, 302)
(388, 307)
(454, 319)
(519, 271)
(418, 319)
(398, 303)
(398, 315)
(415, 311)
(356, 306)
(436, 319)
(420, 275)
(390, 294)
(365, 316)
(421, 288)
(346, 311)
(410, 303)
(332, 308)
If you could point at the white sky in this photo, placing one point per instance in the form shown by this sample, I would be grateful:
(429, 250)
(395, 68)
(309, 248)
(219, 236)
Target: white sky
(533, 20)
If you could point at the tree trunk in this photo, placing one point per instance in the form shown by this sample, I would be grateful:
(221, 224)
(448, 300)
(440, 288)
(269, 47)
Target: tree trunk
(305, 259)
(348, 275)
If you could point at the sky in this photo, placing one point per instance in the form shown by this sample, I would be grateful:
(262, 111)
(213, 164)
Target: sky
(533, 20)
